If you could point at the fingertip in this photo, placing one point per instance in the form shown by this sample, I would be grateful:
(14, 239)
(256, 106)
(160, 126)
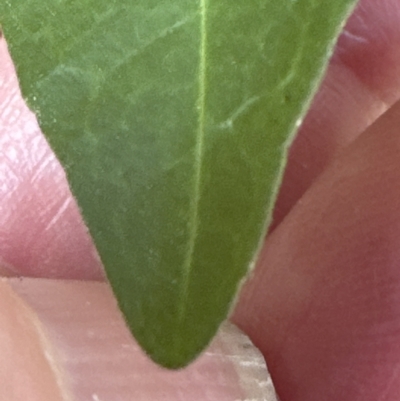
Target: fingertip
(324, 302)
(362, 82)
(42, 233)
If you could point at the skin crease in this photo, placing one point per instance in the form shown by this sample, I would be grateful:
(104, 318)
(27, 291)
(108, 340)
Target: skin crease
(322, 304)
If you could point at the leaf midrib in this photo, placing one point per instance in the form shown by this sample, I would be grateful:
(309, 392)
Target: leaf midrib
(199, 150)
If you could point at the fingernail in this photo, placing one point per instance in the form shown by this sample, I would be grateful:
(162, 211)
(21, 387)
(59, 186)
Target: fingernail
(28, 370)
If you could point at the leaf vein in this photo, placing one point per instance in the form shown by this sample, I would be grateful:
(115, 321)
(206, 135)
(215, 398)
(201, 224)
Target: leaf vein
(199, 151)
(164, 33)
(242, 109)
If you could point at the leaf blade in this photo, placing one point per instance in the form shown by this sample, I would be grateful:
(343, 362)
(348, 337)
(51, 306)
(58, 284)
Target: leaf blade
(172, 124)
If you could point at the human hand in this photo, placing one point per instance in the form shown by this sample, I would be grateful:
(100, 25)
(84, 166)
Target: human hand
(322, 307)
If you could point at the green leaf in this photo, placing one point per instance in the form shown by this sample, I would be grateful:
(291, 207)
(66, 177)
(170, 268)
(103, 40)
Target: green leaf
(172, 120)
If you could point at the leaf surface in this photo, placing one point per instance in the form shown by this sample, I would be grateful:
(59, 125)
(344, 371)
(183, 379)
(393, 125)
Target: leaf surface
(172, 120)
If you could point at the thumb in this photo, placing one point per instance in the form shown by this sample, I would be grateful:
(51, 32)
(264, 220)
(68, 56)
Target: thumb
(66, 341)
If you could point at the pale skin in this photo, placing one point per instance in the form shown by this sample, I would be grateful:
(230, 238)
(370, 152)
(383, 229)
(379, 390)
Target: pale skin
(323, 305)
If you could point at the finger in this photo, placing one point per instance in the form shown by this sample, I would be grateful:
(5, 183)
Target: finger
(324, 304)
(88, 353)
(363, 80)
(41, 231)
